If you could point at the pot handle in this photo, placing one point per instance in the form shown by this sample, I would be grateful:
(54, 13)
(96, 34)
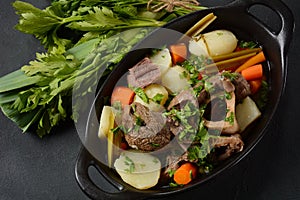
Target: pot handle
(83, 162)
(284, 13)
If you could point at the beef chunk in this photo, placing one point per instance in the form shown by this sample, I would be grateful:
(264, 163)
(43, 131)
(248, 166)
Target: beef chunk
(153, 134)
(230, 144)
(182, 98)
(144, 73)
(242, 87)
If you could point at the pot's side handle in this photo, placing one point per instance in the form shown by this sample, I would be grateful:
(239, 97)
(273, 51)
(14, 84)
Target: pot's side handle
(286, 16)
(83, 162)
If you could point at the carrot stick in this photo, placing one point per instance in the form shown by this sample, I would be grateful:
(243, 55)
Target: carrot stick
(253, 72)
(185, 173)
(178, 52)
(255, 85)
(122, 94)
(258, 58)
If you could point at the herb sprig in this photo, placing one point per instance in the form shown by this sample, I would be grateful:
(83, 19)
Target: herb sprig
(77, 36)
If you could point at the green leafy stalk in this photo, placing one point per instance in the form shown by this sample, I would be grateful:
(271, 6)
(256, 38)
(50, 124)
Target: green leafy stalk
(78, 36)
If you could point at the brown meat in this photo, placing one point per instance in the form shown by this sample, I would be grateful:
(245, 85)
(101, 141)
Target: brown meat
(242, 87)
(152, 134)
(143, 73)
(182, 98)
(226, 126)
(232, 145)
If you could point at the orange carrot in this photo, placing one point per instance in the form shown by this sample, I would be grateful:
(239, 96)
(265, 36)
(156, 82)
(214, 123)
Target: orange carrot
(258, 58)
(185, 173)
(178, 52)
(122, 94)
(255, 85)
(253, 72)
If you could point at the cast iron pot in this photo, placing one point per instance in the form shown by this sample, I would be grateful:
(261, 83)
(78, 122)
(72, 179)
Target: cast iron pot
(235, 17)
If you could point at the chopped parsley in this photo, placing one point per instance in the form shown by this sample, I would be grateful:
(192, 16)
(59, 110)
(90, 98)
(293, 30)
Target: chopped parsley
(140, 93)
(247, 44)
(130, 164)
(158, 98)
(230, 118)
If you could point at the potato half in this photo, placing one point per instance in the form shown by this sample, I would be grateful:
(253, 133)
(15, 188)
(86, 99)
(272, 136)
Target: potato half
(140, 170)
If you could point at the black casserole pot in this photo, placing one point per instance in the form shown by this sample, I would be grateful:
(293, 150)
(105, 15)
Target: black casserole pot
(235, 17)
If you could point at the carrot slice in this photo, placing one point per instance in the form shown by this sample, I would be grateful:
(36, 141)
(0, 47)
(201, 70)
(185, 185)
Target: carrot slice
(258, 58)
(255, 85)
(253, 72)
(185, 173)
(178, 52)
(122, 94)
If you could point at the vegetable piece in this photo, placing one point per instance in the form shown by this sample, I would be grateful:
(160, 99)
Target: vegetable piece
(185, 173)
(195, 30)
(254, 72)
(255, 85)
(107, 121)
(178, 53)
(220, 42)
(140, 170)
(236, 54)
(258, 58)
(122, 94)
(198, 48)
(231, 64)
(246, 113)
(175, 79)
(157, 95)
(163, 59)
(214, 43)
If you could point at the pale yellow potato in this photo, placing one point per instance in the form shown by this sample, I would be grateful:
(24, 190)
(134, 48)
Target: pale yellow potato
(220, 42)
(106, 121)
(145, 172)
(154, 89)
(246, 113)
(163, 59)
(214, 43)
(198, 48)
(151, 91)
(174, 79)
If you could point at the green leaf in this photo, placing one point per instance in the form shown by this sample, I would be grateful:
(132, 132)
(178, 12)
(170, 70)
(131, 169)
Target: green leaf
(22, 120)
(98, 19)
(17, 80)
(8, 97)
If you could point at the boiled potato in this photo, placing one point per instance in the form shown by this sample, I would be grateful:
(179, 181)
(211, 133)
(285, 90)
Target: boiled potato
(151, 91)
(198, 48)
(140, 170)
(174, 79)
(220, 42)
(106, 121)
(246, 113)
(155, 89)
(163, 59)
(214, 43)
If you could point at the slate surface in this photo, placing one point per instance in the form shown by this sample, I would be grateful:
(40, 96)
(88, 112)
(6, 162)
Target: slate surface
(31, 168)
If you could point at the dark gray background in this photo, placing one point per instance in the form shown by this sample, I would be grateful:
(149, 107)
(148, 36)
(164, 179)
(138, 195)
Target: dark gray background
(33, 168)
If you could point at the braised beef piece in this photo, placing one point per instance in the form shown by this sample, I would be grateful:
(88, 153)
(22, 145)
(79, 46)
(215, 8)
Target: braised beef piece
(182, 98)
(228, 145)
(242, 87)
(143, 73)
(202, 97)
(152, 134)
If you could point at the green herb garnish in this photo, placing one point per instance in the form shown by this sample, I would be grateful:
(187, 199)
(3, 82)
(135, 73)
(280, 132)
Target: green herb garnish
(130, 164)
